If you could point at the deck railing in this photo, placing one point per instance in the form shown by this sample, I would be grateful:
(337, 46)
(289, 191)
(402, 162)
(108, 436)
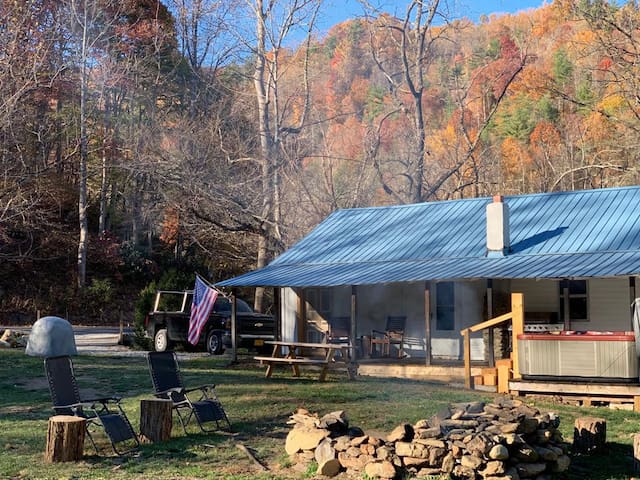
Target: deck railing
(516, 316)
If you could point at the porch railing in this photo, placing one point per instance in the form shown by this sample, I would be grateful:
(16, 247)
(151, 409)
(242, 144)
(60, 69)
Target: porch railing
(516, 316)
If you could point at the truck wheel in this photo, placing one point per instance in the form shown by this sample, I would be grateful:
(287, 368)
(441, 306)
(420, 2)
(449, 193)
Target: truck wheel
(214, 343)
(161, 340)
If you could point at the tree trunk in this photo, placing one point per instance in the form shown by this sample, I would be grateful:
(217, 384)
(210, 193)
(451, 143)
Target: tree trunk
(65, 439)
(589, 435)
(84, 154)
(156, 419)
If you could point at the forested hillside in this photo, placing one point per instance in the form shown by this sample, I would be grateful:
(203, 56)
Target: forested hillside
(143, 140)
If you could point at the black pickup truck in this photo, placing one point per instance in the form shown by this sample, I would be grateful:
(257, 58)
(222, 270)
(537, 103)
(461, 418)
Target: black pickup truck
(168, 324)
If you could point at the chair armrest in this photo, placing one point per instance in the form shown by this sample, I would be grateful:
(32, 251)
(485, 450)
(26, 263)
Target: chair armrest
(167, 393)
(103, 400)
(378, 332)
(203, 388)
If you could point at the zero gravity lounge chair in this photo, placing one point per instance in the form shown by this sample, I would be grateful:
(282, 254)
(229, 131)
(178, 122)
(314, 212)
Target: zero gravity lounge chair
(105, 412)
(167, 384)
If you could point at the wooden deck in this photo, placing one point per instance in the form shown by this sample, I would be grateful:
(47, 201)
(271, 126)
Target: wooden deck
(586, 394)
(414, 369)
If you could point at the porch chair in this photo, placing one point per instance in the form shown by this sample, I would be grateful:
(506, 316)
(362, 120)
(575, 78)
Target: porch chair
(104, 412)
(338, 332)
(168, 384)
(392, 335)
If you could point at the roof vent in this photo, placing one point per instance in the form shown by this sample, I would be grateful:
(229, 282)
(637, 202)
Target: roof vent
(497, 227)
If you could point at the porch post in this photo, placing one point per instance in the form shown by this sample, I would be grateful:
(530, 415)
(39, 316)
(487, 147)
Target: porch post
(277, 311)
(517, 328)
(565, 299)
(354, 329)
(234, 327)
(427, 322)
(302, 315)
(491, 356)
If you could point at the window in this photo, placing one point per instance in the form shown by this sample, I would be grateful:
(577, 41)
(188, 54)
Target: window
(445, 306)
(578, 304)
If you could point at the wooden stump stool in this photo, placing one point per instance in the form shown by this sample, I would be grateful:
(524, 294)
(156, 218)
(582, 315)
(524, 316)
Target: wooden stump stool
(65, 439)
(589, 435)
(155, 419)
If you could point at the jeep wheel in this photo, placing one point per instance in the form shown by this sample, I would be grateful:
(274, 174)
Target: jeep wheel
(161, 340)
(214, 343)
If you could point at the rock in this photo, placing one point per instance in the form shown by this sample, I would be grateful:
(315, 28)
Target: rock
(380, 470)
(353, 463)
(471, 461)
(6, 336)
(368, 449)
(413, 462)
(494, 467)
(526, 453)
(430, 442)
(436, 455)
(499, 452)
(431, 432)
(509, 427)
(479, 445)
(527, 470)
(408, 449)
(561, 464)
(342, 443)
(330, 468)
(384, 453)
(50, 337)
(356, 442)
(448, 463)
(421, 424)
(429, 472)
(546, 454)
(528, 425)
(324, 451)
(304, 438)
(401, 433)
(335, 422)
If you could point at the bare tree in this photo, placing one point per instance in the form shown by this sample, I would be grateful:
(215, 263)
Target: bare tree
(406, 50)
(274, 23)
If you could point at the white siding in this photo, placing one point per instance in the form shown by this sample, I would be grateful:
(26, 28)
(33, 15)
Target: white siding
(609, 305)
(539, 295)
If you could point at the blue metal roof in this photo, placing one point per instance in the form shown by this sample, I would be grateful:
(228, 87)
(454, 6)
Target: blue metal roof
(580, 234)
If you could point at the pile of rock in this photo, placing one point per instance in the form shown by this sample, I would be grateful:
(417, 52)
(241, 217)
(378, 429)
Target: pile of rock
(506, 439)
(10, 339)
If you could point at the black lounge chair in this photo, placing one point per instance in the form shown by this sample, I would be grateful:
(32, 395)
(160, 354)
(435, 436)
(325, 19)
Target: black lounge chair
(105, 412)
(167, 384)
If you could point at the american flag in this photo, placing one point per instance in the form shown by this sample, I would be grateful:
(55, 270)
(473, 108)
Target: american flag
(203, 299)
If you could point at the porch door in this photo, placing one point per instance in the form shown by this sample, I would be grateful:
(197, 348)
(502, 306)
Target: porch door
(445, 331)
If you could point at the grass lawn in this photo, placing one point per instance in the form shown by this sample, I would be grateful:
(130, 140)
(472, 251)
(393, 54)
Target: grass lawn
(258, 409)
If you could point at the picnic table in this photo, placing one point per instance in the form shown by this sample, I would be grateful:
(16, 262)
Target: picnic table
(291, 353)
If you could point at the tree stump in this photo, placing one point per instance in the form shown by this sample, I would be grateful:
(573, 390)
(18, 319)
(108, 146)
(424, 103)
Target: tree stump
(155, 419)
(65, 439)
(589, 435)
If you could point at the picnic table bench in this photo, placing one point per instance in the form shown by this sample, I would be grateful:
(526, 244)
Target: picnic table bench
(290, 353)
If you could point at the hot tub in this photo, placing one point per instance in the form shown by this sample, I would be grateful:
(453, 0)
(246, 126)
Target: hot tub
(581, 355)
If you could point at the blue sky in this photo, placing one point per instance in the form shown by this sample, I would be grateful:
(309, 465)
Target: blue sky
(337, 11)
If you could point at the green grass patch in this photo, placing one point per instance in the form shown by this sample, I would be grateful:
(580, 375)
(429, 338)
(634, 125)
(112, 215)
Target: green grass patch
(258, 409)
